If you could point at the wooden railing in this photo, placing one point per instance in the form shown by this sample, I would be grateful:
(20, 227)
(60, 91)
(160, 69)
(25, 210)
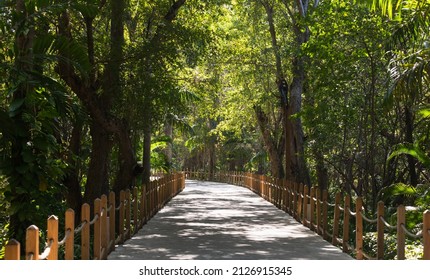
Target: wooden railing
(311, 207)
(135, 208)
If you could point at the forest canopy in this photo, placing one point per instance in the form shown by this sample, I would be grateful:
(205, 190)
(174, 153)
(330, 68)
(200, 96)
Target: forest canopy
(97, 95)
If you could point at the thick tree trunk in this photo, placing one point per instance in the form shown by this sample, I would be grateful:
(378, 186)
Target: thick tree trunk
(113, 88)
(321, 170)
(104, 127)
(146, 160)
(296, 168)
(71, 181)
(128, 168)
(275, 153)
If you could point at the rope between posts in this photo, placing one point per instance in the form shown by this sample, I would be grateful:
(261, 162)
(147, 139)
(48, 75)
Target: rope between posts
(46, 251)
(410, 234)
(80, 227)
(329, 204)
(372, 221)
(119, 207)
(94, 220)
(352, 213)
(109, 208)
(68, 232)
(387, 224)
(367, 256)
(340, 208)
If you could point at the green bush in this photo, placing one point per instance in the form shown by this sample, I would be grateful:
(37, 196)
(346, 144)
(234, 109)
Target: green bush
(413, 248)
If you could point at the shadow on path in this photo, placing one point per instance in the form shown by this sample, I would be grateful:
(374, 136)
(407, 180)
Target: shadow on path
(219, 221)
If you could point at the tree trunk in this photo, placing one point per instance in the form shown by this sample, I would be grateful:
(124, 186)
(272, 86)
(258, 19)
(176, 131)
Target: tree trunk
(146, 160)
(103, 125)
(296, 168)
(275, 154)
(321, 170)
(98, 170)
(113, 88)
(168, 152)
(71, 181)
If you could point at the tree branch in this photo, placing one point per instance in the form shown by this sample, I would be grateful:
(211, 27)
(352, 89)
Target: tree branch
(173, 11)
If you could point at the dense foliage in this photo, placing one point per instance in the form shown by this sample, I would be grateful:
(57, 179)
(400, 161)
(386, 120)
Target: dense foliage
(94, 95)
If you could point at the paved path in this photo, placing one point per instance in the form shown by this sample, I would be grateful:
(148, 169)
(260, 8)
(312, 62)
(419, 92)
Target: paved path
(219, 221)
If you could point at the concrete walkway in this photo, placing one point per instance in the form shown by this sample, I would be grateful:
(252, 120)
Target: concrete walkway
(219, 221)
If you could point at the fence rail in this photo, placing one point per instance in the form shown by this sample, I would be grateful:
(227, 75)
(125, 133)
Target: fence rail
(310, 207)
(134, 210)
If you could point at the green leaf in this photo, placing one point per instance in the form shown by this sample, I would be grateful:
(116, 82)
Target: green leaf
(88, 10)
(396, 190)
(16, 104)
(43, 43)
(425, 113)
(412, 150)
(73, 53)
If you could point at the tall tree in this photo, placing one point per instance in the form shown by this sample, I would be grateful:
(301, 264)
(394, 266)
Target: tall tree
(98, 96)
(296, 167)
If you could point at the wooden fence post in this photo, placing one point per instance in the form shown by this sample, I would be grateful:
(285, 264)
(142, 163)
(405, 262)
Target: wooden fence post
(135, 207)
(305, 205)
(151, 198)
(380, 230)
(52, 236)
(142, 207)
(12, 250)
(336, 219)
(300, 203)
(145, 202)
(318, 206)
(112, 221)
(312, 216)
(426, 234)
(104, 228)
(70, 241)
(262, 187)
(97, 229)
(324, 215)
(359, 228)
(295, 199)
(345, 237)
(287, 197)
(127, 214)
(32, 243)
(401, 219)
(121, 216)
(85, 234)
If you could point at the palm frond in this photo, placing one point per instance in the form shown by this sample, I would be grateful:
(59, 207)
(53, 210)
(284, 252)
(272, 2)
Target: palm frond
(412, 150)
